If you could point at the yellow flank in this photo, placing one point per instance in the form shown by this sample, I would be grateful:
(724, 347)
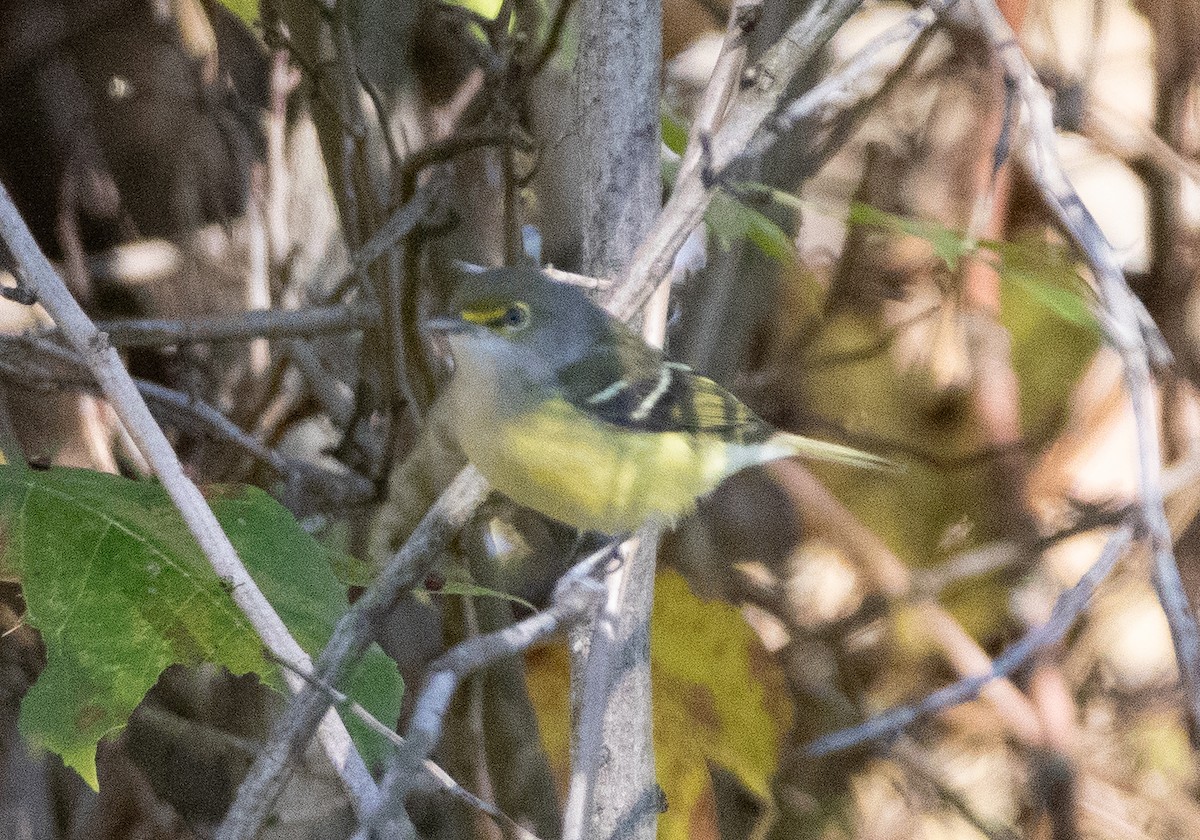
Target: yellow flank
(593, 475)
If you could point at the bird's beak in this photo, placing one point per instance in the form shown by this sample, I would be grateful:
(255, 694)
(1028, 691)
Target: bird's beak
(447, 325)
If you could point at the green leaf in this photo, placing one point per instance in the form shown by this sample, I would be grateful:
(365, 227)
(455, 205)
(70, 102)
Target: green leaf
(484, 8)
(674, 130)
(349, 569)
(247, 10)
(1044, 304)
(119, 590)
(730, 220)
(1044, 271)
(949, 245)
(1047, 274)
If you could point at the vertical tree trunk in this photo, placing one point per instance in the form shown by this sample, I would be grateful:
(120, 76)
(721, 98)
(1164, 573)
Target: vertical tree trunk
(620, 54)
(618, 69)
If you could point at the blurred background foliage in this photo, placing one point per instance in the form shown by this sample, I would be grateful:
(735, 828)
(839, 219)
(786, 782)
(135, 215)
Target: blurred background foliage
(880, 285)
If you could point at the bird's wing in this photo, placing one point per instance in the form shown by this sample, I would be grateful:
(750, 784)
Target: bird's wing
(639, 390)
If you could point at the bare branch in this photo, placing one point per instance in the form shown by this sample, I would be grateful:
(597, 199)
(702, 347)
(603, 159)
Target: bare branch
(36, 273)
(261, 323)
(723, 84)
(1067, 608)
(443, 779)
(765, 86)
(185, 411)
(844, 88)
(1127, 326)
(605, 674)
(399, 224)
(618, 89)
(406, 569)
(574, 597)
(583, 281)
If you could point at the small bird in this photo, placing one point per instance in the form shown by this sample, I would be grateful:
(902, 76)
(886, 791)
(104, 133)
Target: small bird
(566, 410)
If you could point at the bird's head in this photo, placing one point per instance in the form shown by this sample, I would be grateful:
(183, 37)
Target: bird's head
(519, 309)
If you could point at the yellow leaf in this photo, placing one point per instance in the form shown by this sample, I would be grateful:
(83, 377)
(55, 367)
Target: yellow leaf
(718, 698)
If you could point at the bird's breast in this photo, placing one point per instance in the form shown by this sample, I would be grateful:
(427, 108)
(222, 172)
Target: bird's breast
(562, 462)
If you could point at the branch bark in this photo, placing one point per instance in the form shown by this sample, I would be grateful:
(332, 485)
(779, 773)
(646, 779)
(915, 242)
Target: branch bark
(36, 274)
(1127, 326)
(613, 792)
(408, 567)
(765, 86)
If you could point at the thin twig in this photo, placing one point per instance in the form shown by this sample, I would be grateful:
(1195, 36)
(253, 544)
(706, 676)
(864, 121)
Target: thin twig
(473, 740)
(1067, 608)
(346, 64)
(443, 779)
(458, 144)
(35, 271)
(583, 281)
(765, 84)
(395, 158)
(851, 84)
(215, 421)
(844, 88)
(241, 326)
(575, 596)
(1104, 126)
(341, 490)
(399, 224)
(723, 83)
(406, 569)
(600, 676)
(276, 39)
(334, 396)
(202, 417)
(1127, 327)
(991, 557)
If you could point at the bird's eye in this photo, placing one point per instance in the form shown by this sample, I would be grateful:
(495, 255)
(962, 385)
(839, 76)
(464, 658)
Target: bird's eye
(515, 317)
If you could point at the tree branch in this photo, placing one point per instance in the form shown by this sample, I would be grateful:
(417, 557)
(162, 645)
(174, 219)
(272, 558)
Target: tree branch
(1067, 608)
(843, 89)
(406, 569)
(618, 90)
(37, 275)
(261, 323)
(764, 87)
(440, 777)
(1127, 326)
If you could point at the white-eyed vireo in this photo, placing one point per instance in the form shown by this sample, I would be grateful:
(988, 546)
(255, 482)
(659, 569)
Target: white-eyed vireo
(567, 411)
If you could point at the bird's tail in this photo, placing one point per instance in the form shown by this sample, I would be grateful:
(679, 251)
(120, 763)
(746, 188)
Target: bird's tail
(820, 450)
